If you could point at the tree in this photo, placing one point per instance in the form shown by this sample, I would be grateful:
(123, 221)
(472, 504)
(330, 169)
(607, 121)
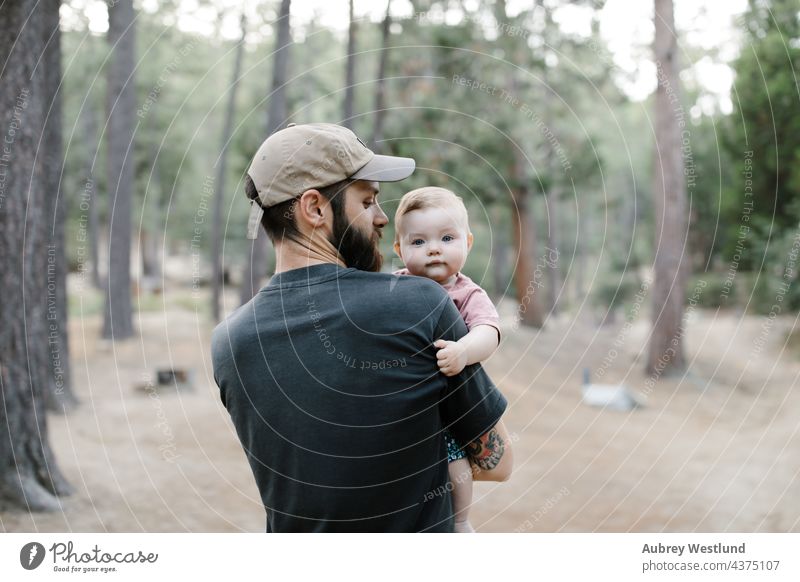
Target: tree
(29, 475)
(380, 89)
(764, 130)
(227, 131)
(523, 227)
(277, 111)
(523, 230)
(671, 261)
(350, 71)
(91, 141)
(118, 320)
(766, 84)
(55, 225)
(499, 253)
(150, 239)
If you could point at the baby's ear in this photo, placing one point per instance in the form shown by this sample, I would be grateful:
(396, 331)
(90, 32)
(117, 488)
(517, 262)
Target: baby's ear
(397, 249)
(469, 241)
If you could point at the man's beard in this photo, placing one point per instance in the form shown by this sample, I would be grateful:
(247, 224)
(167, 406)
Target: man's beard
(356, 248)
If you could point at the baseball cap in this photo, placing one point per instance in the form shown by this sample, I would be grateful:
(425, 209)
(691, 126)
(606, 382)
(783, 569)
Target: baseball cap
(314, 155)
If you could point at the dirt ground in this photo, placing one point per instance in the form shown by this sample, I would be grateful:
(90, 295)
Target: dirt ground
(715, 450)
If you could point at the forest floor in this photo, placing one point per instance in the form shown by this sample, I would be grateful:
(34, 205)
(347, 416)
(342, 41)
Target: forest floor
(714, 450)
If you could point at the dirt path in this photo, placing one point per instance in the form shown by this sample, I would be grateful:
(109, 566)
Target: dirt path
(713, 451)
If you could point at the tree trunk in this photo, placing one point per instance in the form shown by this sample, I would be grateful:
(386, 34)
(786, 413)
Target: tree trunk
(552, 266)
(29, 476)
(277, 113)
(350, 71)
(380, 89)
(499, 253)
(309, 79)
(61, 395)
(151, 243)
(666, 345)
(278, 110)
(118, 320)
(552, 194)
(216, 227)
(526, 279)
(89, 201)
(584, 233)
(523, 227)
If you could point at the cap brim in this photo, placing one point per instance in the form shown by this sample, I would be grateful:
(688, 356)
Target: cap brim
(386, 169)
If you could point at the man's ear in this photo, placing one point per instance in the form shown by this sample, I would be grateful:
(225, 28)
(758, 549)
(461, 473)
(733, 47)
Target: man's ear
(397, 249)
(312, 208)
(469, 241)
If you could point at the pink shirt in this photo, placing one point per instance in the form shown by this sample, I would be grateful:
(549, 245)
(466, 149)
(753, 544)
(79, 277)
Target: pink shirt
(471, 301)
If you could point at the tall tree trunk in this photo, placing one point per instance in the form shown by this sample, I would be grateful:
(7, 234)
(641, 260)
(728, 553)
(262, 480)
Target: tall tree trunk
(60, 391)
(552, 195)
(380, 89)
(308, 81)
(666, 345)
(277, 113)
(553, 273)
(150, 238)
(499, 253)
(523, 227)
(150, 245)
(350, 71)
(29, 476)
(118, 320)
(89, 202)
(584, 233)
(526, 280)
(216, 227)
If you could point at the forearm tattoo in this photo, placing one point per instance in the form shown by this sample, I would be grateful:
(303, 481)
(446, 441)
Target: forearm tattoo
(487, 450)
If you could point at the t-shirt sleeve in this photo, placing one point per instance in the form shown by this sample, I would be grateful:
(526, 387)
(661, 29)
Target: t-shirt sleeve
(478, 309)
(471, 404)
(220, 360)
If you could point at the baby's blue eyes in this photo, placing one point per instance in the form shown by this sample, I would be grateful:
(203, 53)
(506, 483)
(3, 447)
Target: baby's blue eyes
(446, 238)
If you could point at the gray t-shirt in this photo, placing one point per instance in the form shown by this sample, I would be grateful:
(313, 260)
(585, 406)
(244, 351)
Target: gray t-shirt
(330, 377)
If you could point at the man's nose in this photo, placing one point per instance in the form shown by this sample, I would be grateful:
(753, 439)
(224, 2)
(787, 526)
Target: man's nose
(381, 219)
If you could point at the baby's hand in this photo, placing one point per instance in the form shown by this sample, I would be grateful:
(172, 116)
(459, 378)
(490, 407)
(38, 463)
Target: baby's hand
(452, 357)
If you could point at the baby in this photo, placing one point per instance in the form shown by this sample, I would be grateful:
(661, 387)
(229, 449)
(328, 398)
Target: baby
(433, 240)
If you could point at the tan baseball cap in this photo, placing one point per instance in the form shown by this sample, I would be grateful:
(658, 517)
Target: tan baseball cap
(314, 155)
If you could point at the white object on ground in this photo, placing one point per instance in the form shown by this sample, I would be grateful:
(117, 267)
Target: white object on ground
(611, 396)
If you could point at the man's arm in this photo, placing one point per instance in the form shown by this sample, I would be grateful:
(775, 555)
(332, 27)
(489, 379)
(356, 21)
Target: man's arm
(490, 455)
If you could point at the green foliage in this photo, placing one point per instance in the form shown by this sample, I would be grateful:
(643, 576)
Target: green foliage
(765, 120)
(466, 97)
(710, 290)
(793, 343)
(778, 286)
(613, 289)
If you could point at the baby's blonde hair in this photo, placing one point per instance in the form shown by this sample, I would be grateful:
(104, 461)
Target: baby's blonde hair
(430, 197)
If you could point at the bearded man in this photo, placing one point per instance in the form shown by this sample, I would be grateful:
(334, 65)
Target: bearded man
(329, 373)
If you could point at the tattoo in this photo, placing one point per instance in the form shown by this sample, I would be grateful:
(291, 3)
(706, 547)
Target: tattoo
(487, 450)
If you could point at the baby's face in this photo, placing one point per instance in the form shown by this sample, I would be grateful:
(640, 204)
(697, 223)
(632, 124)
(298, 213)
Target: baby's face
(433, 243)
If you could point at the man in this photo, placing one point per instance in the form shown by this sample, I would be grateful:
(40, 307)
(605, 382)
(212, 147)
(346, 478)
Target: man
(329, 373)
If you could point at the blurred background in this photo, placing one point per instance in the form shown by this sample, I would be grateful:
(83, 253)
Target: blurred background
(632, 175)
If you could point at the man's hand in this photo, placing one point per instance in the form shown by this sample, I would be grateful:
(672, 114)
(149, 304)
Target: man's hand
(452, 357)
